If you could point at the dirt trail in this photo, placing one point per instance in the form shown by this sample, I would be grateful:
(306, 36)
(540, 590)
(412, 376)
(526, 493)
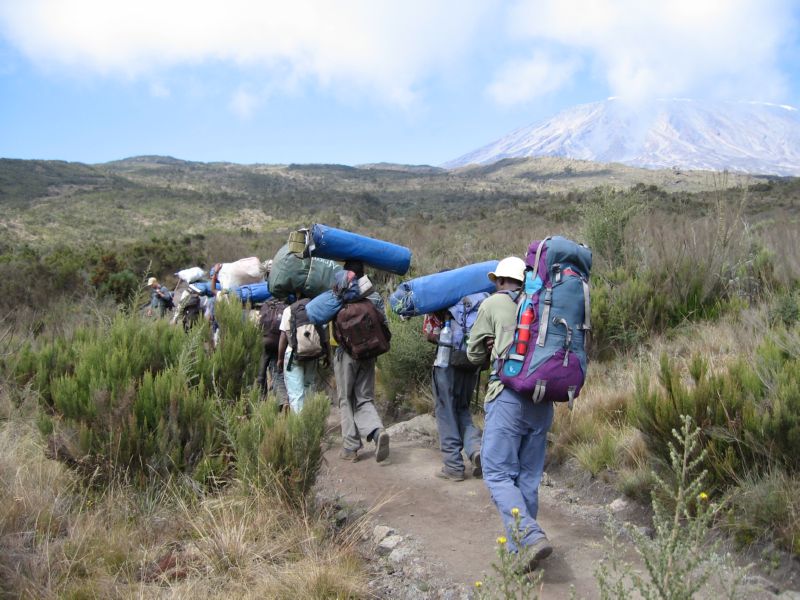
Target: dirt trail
(456, 524)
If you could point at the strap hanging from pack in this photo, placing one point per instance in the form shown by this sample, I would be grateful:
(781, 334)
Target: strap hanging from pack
(571, 394)
(539, 391)
(587, 314)
(545, 320)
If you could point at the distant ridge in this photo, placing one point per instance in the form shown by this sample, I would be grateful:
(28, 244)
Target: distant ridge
(749, 137)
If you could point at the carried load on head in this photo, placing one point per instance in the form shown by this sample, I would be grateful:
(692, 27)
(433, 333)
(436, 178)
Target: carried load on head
(191, 274)
(292, 272)
(244, 271)
(440, 291)
(323, 241)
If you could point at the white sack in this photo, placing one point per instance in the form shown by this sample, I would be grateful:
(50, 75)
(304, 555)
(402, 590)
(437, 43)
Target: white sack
(191, 275)
(242, 272)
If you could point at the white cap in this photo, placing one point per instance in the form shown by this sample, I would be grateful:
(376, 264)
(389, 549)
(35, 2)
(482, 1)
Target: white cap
(511, 267)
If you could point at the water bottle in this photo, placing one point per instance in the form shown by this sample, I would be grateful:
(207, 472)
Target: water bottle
(445, 346)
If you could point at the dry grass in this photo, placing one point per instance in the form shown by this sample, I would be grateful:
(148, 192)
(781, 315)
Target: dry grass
(59, 540)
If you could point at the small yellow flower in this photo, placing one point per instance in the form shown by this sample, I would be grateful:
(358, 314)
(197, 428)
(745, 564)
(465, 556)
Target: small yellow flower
(703, 497)
(515, 512)
(502, 540)
(478, 584)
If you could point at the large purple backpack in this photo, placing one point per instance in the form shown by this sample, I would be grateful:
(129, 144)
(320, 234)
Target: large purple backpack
(552, 367)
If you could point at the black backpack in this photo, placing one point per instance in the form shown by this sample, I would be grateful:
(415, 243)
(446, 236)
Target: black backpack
(191, 310)
(359, 328)
(269, 319)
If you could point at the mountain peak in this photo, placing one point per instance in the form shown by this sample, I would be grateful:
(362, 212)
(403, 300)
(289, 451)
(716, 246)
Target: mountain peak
(747, 136)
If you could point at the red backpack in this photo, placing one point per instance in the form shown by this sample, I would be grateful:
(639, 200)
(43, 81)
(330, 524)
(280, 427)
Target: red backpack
(359, 328)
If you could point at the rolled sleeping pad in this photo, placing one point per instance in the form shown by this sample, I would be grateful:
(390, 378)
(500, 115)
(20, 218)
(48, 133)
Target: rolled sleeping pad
(323, 308)
(439, 291)
(253, 293)
(337, 244)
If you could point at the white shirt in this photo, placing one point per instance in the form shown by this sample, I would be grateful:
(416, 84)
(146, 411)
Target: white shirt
(286, 321)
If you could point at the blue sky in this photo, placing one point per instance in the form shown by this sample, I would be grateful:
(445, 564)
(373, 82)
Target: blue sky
(356, 81)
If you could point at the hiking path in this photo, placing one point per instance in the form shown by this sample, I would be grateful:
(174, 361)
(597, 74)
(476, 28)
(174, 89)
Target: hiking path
(455, 523)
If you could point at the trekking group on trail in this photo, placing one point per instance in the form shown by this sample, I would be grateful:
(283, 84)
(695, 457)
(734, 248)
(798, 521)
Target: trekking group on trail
(527, 321)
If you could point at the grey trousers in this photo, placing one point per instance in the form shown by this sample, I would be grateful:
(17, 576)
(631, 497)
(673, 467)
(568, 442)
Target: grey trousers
(453, 390)
(355, 384)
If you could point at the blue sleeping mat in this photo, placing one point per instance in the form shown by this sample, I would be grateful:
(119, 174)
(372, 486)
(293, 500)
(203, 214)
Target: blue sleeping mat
(441, 290)
(337, 244)
(253, 293)
(323, 308)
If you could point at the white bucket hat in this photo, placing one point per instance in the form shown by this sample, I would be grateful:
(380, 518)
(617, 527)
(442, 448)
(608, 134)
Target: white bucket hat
(511, 267)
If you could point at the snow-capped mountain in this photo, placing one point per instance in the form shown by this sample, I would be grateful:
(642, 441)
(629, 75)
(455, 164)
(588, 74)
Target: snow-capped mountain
(752, 137)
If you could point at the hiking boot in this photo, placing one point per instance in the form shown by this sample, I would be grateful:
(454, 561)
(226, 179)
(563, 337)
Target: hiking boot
(450, 475)
(381, 439)
(475, 459)
(351, 455)
(536, 553)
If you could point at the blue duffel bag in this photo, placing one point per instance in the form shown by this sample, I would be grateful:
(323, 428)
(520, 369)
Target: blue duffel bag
(441, 290)
(337, 244)
(323, 308)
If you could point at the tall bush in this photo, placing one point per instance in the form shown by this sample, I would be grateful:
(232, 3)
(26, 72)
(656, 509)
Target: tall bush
(749, 414)
(407, 366)
(282, 451)
(143, 399)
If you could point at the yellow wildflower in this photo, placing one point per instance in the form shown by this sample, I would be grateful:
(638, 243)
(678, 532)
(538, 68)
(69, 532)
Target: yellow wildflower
(515, 511)
(502, 540)
(703, 497)
(478, 584)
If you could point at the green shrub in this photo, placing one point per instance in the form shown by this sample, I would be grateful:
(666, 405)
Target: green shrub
(629, 304)
(749, 415)
(766, 508)
(235, 366)
(282, 451)
(141, 398)
(606, 216)
(407, 366)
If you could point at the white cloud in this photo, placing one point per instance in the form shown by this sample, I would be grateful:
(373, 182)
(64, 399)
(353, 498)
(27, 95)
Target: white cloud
(159, 90)
(523, 80)
(384, 49)
(645, 48)
(244, 103)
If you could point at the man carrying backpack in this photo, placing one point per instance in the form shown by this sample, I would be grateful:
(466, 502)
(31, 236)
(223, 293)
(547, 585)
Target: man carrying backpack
(515, 431)
(269, 379)
(160, 298)
(362, 333)
(189, 308)
(300, 346)
(453, 386)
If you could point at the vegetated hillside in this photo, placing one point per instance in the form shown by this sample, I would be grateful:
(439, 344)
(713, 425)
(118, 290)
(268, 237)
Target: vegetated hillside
(52, 201)
(747, 137)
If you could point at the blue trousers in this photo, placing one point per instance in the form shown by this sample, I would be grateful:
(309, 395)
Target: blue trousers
(514, 441)
(453, 389)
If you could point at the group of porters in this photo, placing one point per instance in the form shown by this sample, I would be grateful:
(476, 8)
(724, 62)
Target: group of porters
(540, 310)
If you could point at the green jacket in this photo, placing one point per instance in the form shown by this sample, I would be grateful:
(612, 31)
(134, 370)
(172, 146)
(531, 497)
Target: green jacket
(497, 318)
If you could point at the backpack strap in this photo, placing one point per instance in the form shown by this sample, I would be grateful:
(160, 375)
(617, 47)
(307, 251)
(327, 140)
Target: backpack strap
(587, 314)
(545, 321)
(539, 253)
(518, 297)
